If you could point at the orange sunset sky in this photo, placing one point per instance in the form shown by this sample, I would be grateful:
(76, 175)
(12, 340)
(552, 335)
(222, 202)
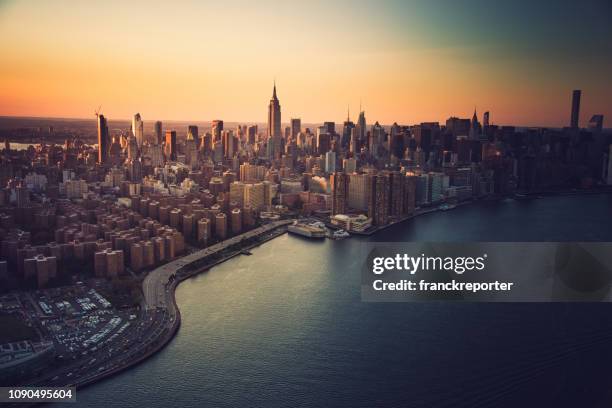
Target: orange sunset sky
(407, 61)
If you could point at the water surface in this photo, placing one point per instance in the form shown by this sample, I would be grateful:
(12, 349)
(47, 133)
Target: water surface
(286, 327)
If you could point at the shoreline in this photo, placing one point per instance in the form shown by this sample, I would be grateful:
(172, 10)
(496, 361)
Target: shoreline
(516, 196)
(183, 273)
(168, 334)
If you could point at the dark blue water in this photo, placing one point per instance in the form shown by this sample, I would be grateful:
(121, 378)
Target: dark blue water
(286, 327)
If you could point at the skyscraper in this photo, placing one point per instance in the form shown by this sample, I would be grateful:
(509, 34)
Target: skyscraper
(361, 128)
(134, 167)
(377, 139)
(103, 139)
(485, 119)
(347, 130)
(158, 132)
(296, 127)
(217, 128)
(251, 134)
(330, 162)
(474, 127)
(170, 147)
(132, 148)
(230, 145)
(138, 129)
(354, 143)
(191, 146)
(395, 141)
(575, 109)
(207, 144)
(323, 141)
(192, 132)
(274, 124)
(330, 128)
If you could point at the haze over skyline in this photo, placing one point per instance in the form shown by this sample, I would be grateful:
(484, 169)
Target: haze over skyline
(408, 62)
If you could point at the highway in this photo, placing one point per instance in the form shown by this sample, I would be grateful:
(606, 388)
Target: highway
(155, 286)
(160, 317)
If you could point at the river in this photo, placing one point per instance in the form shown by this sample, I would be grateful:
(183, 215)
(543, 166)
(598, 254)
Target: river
(286, 327)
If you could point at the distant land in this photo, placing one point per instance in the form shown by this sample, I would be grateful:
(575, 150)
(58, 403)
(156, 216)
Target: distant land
(31, 129)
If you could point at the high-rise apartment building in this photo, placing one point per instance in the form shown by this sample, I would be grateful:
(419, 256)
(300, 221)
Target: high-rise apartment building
(237, 193)
(357, 191)
(251, 172)
(254, 196)
(339, 190)
(221, 226)
(382, 198)
(236, 221)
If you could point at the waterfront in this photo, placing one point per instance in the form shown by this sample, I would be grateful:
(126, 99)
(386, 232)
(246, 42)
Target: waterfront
(286, 327)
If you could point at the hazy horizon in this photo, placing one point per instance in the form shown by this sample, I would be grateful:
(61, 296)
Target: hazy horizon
(208, 122)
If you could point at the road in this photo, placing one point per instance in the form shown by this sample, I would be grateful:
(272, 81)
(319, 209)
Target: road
(157, 282)
(159, 322)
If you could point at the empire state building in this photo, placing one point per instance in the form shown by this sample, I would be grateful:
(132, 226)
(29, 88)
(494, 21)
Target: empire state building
(274, 125)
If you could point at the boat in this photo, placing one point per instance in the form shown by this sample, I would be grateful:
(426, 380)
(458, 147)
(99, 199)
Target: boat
(317, 224)
(340, 234)
(307, 230)
(446, 207)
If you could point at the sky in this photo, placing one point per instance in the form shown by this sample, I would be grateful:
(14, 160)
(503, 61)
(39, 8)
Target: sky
(403, 61)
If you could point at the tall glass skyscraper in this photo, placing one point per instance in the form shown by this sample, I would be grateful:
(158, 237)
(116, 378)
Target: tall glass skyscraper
(138, 129)
(575, 109)
(103, 139)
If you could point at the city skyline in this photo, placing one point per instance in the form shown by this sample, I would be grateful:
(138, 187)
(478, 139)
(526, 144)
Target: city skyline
(577, 118)
(407, 62)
